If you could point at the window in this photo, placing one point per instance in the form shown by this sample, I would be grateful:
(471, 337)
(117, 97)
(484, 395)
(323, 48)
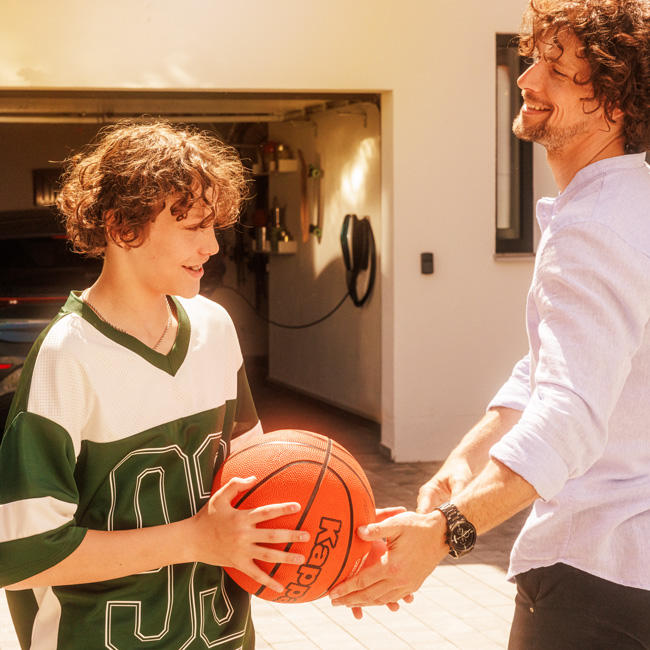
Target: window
(514, 159)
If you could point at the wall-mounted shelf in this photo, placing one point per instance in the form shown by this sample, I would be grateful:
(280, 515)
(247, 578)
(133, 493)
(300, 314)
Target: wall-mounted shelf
(284, 248)
(282, 166)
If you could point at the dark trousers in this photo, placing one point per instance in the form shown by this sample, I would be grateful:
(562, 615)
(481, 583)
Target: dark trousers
(562, 608)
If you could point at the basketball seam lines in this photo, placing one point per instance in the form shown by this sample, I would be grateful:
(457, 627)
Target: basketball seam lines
(362, 477)
(305, 512)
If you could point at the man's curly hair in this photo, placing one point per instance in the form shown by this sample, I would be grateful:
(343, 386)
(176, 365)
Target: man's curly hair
(615, 38)
(120, 182)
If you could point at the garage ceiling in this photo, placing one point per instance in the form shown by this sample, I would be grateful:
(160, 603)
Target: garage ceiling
(100, 107)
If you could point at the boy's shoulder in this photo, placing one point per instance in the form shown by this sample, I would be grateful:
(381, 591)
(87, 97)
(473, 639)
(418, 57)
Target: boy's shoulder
(203, 308)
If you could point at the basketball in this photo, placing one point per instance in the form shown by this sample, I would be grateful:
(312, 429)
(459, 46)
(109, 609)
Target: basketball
(335, 499)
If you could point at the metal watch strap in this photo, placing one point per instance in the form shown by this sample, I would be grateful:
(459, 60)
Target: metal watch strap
(451, 513)
(454, 519)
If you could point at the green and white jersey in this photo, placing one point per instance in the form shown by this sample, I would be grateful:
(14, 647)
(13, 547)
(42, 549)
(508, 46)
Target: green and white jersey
(107, 434)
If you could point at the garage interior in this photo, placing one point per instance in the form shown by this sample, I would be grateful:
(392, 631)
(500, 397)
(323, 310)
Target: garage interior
(281, 272)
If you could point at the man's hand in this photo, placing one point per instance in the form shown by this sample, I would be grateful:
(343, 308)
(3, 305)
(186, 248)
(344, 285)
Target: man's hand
(375, 554)
(414, 547)
(452, 478)
(468, 459)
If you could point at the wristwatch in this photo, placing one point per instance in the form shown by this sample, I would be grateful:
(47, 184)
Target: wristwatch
(461, 534)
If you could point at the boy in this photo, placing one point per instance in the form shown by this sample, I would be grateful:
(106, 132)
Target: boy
(128, 403)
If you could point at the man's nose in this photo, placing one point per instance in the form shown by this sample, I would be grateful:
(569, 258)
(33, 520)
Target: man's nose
(530, 78)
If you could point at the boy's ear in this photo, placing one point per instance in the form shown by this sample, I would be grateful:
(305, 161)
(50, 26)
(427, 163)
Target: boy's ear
(112, 233)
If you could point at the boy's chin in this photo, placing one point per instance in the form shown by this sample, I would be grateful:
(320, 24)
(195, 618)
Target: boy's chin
(188, 293)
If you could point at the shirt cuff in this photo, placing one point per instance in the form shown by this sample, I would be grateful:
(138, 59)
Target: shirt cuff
(512, 396)
(533, 459)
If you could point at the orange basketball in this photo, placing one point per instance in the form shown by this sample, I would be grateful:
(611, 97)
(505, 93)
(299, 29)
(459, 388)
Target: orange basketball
(335, 496)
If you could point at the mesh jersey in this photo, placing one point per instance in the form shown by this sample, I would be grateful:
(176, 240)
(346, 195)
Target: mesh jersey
(107, 434)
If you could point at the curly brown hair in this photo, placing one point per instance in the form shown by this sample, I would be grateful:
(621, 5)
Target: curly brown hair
(119, 183)
(615, 40)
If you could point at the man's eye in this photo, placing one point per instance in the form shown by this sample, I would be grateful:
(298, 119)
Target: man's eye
(557, 73)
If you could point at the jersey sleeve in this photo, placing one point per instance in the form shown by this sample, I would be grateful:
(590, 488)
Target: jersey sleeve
(38, 498)
(247, 424)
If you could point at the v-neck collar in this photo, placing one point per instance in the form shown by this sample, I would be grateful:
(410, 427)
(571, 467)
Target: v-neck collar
(169, 363)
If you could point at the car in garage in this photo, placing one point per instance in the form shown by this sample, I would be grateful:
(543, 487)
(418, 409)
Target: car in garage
(38, 269)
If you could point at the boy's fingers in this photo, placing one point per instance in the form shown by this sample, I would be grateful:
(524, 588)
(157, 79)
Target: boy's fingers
(272, 511)
(274, 556)
(281, 536)
(234, 486)
(254, 572)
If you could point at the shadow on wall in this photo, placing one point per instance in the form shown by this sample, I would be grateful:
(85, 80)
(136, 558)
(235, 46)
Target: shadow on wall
(345, 351)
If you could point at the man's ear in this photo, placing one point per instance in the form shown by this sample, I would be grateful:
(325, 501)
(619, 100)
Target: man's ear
(618, 114)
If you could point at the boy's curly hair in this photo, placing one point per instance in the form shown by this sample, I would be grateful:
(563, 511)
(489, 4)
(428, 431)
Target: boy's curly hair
(615, 38)
(124, 176)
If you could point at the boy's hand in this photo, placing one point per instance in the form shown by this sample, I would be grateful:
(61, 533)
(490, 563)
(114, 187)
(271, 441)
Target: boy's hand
(229, 537)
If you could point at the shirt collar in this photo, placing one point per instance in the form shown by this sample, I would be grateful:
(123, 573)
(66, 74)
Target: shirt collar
(547, 207)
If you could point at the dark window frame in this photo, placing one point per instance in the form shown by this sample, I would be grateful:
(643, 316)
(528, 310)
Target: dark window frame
(519, 237)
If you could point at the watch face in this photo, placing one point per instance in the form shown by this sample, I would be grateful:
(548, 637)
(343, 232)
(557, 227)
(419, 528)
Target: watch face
(462, 537)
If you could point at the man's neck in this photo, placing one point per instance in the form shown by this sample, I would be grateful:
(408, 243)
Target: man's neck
(568, 161)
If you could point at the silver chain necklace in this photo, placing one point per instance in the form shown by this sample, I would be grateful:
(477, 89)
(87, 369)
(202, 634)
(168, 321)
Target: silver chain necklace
(170, 318)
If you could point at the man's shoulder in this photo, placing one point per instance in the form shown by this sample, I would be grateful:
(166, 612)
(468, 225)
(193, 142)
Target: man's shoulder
(616, 200)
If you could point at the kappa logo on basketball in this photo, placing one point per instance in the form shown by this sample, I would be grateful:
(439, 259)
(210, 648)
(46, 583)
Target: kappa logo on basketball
(328, 536)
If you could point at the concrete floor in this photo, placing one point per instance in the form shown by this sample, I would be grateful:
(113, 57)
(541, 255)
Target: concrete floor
(464, 605)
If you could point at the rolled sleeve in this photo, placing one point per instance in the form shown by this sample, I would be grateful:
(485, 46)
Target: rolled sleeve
(547, 475)
(515, 393)
(589, 298)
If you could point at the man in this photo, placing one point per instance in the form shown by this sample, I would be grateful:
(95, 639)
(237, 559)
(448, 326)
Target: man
(128, 403)
(570, 430)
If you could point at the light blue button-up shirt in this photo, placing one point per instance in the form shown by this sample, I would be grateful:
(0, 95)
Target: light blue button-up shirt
(583, 441)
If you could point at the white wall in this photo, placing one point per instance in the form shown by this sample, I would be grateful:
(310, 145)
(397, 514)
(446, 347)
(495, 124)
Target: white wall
(338, 360)
(448, 340)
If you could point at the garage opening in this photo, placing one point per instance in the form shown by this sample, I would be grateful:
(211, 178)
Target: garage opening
(281, 272)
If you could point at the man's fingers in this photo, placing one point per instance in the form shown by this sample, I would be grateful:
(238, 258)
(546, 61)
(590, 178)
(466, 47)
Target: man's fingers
(424, 504)
(360, 582)
(385, 513)
(376, 595)
(377, 531)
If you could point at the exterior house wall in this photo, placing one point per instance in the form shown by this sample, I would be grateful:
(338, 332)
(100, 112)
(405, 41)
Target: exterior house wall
(448, 340)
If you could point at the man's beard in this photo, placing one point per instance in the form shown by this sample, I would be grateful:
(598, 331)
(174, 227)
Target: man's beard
(550, 137)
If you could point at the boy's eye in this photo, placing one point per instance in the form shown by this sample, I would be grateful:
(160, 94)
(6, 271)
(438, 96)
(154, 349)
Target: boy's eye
(557, 73)
(200, 226)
